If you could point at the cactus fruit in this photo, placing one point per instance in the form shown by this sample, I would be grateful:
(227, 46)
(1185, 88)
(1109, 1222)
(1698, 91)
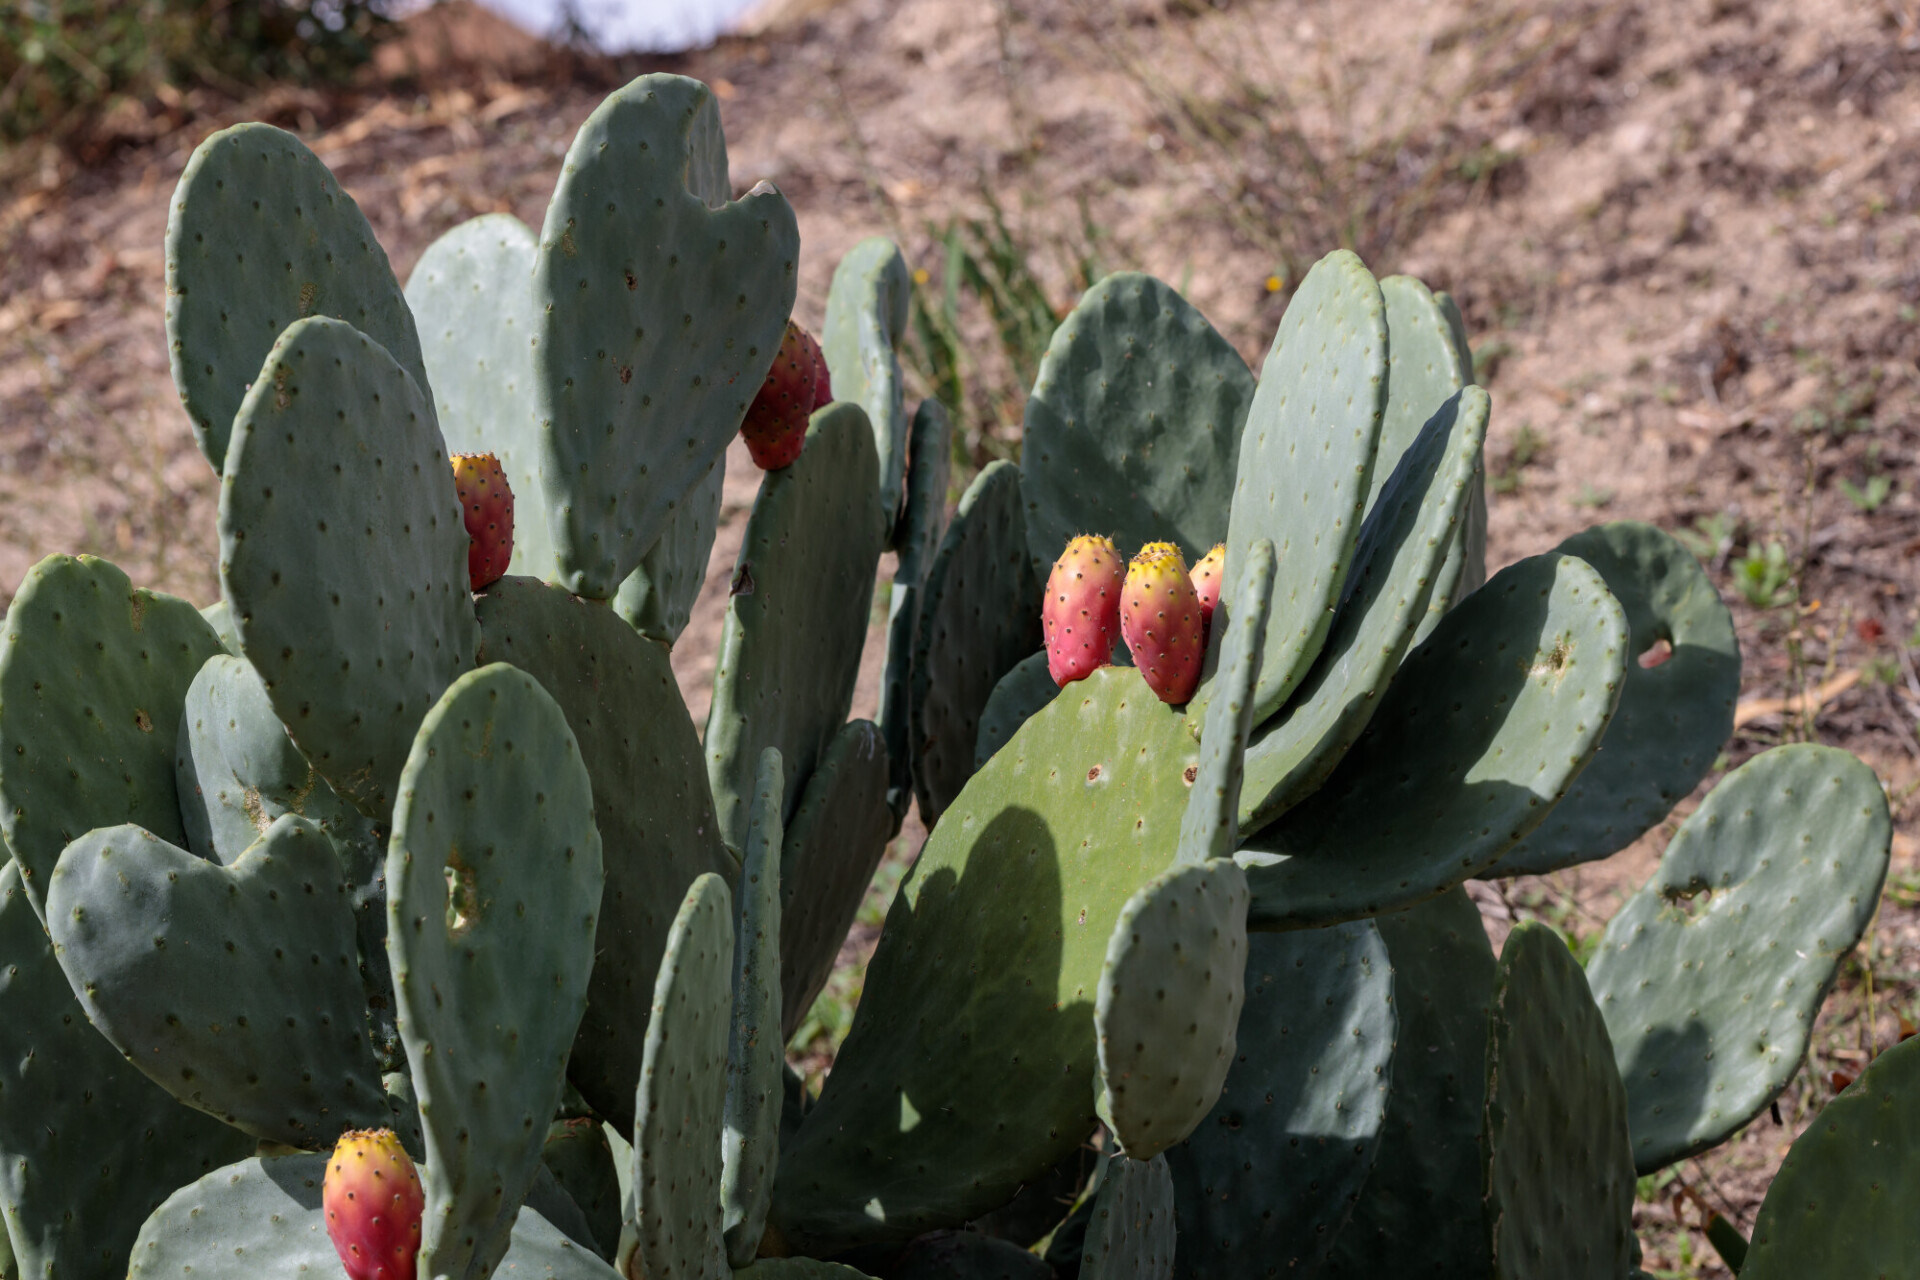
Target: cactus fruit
(373, 1200)
(1160, 617)
(486, 505)
(1082, 611)
(776, 424)
(1206, 584)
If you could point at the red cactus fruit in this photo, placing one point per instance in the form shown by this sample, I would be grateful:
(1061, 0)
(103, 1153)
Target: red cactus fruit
(1160, 618)
(486, 504)
(374, 1201)
(822, 376)
(775, 428)
(1206, 585)
(1082, 609)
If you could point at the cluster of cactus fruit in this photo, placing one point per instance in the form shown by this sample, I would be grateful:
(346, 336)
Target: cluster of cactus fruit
(390, 915)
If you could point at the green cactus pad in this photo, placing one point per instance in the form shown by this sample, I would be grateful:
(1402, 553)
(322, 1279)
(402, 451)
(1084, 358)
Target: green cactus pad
(1673, 717)
(1396, 569)
(980, 617)
(867, 308)
(750, 1134)
(661, 305)
(494, 882)
(1560, 1181)
(1133, 427)
(1420, 1211)
(1130, 1231)
(1168, 1002)
(833, 846)
(1272, 1172)
(1476, 738)
(1210, 829)
(1019, 696)
(980, 998)
(1471, 550)
(1761, 895)
(553, 1202)
(472, 296)
(93, 673)
(922, 523)
(657, 597)
(263, 1217)
(580, 1159)
(1306, 459)
(343, 555)
(1424, 371)
(966, 1255)
(1842, 1203)
(681, 1101)
(260, 235)
(236, 988)
(651, 804)
(237, 770)
(802, 589)
(220, 618)
(88, 1145)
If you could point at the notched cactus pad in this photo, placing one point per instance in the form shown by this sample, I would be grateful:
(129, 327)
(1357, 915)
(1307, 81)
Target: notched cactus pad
(93, 673)
(1711, 976)
(661, 302)
(260, 235)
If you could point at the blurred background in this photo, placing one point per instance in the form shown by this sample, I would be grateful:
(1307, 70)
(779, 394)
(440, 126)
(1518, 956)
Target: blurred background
(1683, 233)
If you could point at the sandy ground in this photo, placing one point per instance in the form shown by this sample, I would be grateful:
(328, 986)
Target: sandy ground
(1682, 232)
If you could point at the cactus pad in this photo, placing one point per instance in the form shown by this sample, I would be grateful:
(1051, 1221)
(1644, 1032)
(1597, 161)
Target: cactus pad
(980, 617)
(802, 587)
(1130, 1228)
(93, 673)
(681, 1101)
(343, 555)
(651, 804)
(1420, 1211)
(580, 1159)
(88, 1145)
(755, 1062)
(1442, 783)
(922, 523)
(982, 990)
(263, 1217)
(1210, 829)
(1133, 427)
(1306, 459)
(494, 882)
(1842, 1203)
(1019, 696)
(867, 307)
(657, 597)
(1560, 1181)
(1424, 370)
(1673, 716)
(1168, 1002)
(1396, 569)
(833, 846)
(660, 305)
(1761, 895)
(236, 988)
(1271, 1173)
(260, 235)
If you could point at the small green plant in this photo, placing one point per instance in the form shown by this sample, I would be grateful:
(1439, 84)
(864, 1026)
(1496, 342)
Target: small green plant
(1592, 497)
(1527, 447)
(1488, 357)
(1869, 498)
(1765, 576)
(1711, 537)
